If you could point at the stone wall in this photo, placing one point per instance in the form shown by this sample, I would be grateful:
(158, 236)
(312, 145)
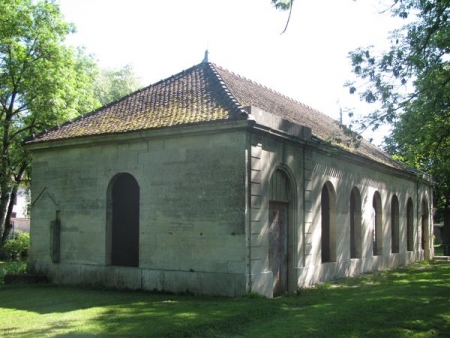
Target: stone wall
(192, 200)
(344, 174)
(309, 166)
(204, 208)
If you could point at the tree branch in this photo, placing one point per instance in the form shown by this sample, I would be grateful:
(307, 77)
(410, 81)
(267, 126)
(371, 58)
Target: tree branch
(291, 4)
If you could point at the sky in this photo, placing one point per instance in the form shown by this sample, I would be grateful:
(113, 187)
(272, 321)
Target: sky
(308, 63)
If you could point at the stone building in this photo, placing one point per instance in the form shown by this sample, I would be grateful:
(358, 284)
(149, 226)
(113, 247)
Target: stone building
(209, 183)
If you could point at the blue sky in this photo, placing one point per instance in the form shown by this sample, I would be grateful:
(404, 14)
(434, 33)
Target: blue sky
(308, 63)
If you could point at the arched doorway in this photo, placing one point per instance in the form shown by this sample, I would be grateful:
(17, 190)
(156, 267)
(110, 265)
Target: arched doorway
(328, 231)
(377, 225)
(409, 225)
(355, 224)
(280, 200)
(395, 225)
(425, 229)
(122, 247)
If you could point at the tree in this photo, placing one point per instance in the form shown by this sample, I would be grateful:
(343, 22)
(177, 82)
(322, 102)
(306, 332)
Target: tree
(284, 5)
(411, 85)
(113, 84)
(42, 83)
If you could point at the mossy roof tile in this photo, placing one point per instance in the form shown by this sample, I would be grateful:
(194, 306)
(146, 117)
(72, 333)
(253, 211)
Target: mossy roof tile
(205, 92)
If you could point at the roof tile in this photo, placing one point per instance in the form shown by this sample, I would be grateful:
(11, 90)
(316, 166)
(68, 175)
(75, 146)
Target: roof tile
(203, 93)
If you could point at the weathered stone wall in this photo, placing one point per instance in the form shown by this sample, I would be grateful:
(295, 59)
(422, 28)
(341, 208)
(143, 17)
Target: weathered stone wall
(267, 155)
(309, 167)
(344, 174)
(192, 218)
(204, 208)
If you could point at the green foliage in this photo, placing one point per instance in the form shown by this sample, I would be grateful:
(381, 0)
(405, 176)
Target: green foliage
(113, 84)
(42, 83)
(15, 268)
(17, 246)
(283, 5)
(410, 83)
(414, 67)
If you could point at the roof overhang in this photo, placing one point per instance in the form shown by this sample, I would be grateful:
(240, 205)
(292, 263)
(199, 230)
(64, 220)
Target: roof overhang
(212, 127)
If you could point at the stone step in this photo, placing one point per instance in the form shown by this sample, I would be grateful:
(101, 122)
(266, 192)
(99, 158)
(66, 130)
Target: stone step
(442, 258)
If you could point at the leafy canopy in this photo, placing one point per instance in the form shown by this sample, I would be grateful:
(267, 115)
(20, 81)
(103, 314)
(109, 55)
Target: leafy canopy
(410, 83)
(112, 84)
(283, 4)
(42, 83)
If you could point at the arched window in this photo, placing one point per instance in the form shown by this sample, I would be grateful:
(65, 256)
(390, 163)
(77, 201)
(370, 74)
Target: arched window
(395, 226)
(328, 206)
(425, 229)
(355, 224)
(377, 225)
(122, 247)
(409, 225)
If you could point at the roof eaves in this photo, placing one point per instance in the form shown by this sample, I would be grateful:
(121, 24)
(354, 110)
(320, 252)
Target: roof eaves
(35, 138)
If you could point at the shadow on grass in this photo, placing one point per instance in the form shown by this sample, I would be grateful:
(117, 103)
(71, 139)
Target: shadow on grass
(406, 302)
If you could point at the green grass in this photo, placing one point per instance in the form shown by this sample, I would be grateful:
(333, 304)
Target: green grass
(407, 302)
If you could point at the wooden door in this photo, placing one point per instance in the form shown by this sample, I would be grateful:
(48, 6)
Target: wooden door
(278, 256)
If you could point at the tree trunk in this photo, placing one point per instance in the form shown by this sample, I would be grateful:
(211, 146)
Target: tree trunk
(7, 226)
(4, 200)
(7, 198)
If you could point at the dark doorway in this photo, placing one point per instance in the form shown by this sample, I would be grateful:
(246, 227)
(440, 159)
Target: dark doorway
(425, 229)
(125, 221)
(281, 247)
(377, 225)
(395, 225)
(278, 253)
(409, 225)
(328, 231)
(325, 206)
(355, 224)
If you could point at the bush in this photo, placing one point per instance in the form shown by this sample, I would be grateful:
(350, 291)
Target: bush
(15, 268)
(17, 246)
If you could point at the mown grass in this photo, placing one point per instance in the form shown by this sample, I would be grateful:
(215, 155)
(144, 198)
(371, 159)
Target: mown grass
(407, 302)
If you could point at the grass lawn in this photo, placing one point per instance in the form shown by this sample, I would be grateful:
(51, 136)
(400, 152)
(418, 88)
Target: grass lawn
(408, 302)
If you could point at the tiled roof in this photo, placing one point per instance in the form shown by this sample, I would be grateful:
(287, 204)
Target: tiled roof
(205, 92)
(192, 96)
(249, 93)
